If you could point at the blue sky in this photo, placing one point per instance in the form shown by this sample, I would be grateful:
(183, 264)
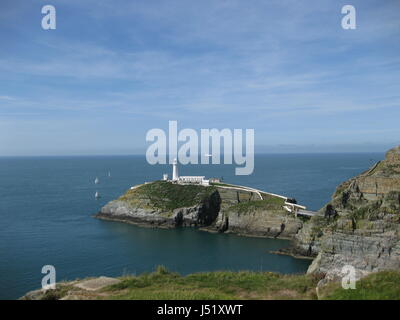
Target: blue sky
(112, 70)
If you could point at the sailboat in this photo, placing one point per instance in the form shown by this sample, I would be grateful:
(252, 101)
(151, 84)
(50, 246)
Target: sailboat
(97, 195)
(96, 181)
(109, 174)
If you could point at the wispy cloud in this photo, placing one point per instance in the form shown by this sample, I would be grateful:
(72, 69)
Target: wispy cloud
(267, 65)
(7, 98)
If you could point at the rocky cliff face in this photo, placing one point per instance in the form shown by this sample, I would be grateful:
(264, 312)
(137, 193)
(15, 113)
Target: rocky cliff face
(361, 225)
(243, 212)
(214, 208)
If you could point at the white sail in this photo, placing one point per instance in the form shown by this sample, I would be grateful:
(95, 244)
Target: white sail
(97, 195)
(96, 181)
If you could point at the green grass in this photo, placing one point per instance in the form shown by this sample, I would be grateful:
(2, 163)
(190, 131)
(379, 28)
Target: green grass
(163, 284)
(168, 196)
(268, 203)
(384, 285)
(228, 285)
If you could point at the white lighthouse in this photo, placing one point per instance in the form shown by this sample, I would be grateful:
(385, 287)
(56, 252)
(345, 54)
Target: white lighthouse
(185, 179)
(175, 175)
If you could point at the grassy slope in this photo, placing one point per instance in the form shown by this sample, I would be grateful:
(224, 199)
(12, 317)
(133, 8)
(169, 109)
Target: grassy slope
(167, 196)
(268, 203)
(163, 284)
(384, 285)
(226, 285)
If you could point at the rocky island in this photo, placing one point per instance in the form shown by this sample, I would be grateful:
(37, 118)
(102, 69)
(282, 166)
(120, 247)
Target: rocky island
(216, 208)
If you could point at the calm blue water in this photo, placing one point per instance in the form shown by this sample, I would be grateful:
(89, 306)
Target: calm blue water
(46, 205)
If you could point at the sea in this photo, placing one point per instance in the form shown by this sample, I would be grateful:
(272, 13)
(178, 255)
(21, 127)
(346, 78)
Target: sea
(47, 206)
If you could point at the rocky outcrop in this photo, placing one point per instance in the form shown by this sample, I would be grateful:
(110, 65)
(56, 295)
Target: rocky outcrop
(243, 212)
(307, 240)
(214, 208)
(271, 224)
(163, 204)
(361, 227)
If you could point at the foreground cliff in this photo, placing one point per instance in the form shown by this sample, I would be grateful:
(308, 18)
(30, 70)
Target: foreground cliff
(361, 226)
(216, 208)
(223, 285)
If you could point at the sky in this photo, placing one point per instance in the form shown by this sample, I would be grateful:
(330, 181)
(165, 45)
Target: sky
(113, 70)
